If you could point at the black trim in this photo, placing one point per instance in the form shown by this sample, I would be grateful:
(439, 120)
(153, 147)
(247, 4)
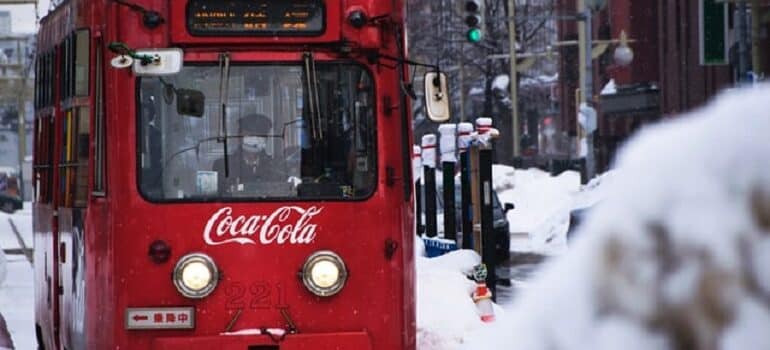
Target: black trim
(137, 150)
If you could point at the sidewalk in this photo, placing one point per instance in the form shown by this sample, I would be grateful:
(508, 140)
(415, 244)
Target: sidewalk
(17, 293)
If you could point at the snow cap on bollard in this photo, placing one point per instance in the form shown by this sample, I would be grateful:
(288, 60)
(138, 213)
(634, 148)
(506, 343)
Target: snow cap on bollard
(483, 125)
(417, 162)
(429, 150)
(485, 131)
(464, 137)
(447, 142)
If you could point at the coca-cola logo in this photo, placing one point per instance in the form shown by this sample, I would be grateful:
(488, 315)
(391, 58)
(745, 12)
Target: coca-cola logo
(292, 225)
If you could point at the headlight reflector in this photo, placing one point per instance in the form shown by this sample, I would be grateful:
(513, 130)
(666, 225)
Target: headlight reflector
(196, 275)
(324, 273)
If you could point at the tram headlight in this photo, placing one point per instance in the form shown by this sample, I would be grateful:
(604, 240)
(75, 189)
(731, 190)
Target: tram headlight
(324, 273)
(196, 275)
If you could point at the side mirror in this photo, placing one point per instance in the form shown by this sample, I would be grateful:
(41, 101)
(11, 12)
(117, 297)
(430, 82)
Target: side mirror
(508, 207)
(190, 102)
(436, 97)
(161, 62)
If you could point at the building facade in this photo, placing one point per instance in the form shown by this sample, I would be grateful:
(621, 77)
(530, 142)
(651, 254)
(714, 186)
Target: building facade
(666, 76)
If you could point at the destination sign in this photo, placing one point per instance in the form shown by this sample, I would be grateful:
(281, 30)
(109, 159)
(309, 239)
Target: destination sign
(255, 17)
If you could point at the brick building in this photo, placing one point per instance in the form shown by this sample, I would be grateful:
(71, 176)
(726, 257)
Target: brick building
(666, 76)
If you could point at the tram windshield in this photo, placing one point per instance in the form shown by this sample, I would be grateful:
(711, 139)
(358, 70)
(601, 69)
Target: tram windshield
(283, 136)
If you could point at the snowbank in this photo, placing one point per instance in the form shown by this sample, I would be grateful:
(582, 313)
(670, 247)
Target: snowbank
(678, 254)
(543, 203)
(446, 313)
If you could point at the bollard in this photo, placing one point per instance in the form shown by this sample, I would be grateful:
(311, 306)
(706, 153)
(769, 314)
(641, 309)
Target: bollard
(464, 139)
(417, 175)
(448, 163)
(429, 181)
(482, 296)
(488, 240)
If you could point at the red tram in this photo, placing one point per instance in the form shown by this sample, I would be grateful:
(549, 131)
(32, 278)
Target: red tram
(223, 175)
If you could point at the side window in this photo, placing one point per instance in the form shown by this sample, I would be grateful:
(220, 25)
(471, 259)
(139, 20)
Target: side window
(75, 127)
(80, 67)
(44, 131)
(42, 163)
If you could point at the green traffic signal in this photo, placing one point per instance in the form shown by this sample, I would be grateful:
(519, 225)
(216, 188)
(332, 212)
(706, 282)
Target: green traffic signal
(474, 35)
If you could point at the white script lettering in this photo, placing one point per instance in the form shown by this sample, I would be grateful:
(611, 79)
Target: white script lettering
(285, 225)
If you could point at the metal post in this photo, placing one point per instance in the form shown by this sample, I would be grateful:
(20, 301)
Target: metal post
(514, 81)
(488, 239)
(464, 141)
(448, 162)
(21, 109)
(417, 171)
(757, 50)
(429, 173)
(585, 38)
(741, 33)
(461, 80)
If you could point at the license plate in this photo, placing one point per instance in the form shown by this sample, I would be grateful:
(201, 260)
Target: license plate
(160, 318)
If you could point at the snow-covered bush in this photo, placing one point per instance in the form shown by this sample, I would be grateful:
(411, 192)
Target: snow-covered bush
(676, 255)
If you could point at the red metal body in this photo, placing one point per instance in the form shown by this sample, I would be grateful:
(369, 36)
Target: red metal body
(91, 256)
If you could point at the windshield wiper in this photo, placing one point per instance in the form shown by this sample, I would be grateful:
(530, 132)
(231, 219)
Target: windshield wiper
(311, 78)
(224, 87)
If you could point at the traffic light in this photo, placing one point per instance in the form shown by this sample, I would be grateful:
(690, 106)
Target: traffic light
(473, 19)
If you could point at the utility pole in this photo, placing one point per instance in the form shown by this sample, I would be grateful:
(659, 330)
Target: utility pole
(585, 38)
(757, 50)
(513, 80)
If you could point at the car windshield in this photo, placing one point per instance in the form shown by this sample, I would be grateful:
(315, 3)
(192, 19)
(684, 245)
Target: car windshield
(278, 145)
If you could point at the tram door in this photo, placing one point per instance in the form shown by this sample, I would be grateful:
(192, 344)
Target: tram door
(74, 132)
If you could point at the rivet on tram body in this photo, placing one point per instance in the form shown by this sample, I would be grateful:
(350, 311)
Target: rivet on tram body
(159, 252)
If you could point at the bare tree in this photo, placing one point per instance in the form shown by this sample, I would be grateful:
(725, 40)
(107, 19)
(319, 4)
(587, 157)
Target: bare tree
(437, 34)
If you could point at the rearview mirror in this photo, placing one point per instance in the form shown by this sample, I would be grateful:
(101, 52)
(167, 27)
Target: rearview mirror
(436, 96)
(190, 102)
(508, 207)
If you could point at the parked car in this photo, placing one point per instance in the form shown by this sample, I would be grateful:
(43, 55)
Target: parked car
(576, 217)
(9, 204)
(10, 196)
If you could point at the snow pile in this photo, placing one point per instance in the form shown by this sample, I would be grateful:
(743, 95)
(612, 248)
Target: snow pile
(542, 205)
(678, 253)
(445, 311)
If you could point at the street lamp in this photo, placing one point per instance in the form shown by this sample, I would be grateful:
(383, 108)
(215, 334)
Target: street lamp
(623, 54)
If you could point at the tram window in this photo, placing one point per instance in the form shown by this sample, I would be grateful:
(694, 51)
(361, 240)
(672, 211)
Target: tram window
(42, 162)
(277, 148)
(74, 159)
(80, 64)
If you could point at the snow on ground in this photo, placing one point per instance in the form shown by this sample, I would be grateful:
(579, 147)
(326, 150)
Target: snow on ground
(17, 300)
(445, 311)
(675, 256)
(540, 220)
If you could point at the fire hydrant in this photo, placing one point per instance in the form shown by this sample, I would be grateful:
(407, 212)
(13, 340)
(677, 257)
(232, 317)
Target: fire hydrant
(482, 296)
